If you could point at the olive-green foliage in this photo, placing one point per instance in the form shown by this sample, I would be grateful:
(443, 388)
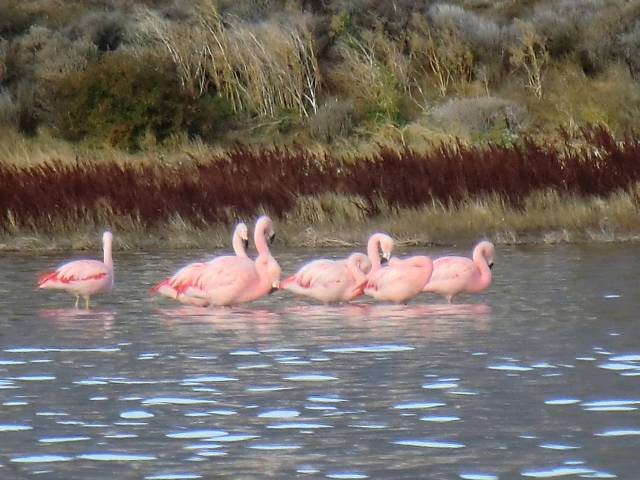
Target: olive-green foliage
(123, 100)
(392, 64)
(13, 20)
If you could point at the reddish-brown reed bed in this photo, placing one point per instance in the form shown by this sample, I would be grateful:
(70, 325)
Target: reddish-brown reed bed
(244, 181)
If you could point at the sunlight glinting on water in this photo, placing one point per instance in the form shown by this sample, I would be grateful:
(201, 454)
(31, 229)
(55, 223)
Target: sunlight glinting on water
(338, 392)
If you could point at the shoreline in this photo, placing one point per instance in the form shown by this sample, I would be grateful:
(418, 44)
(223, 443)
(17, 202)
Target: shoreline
(527, 193)
(288, 237)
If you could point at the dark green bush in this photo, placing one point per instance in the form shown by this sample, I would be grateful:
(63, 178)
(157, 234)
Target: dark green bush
(13, 20)
(123, 100)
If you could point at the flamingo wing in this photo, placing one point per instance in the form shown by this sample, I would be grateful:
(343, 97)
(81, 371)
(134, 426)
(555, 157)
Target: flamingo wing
(390, 276)
(304, 277)
(452, 269)
(224, 273)
(75, 271)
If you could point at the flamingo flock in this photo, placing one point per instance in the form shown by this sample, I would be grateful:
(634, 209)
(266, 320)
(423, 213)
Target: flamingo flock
(233, 279)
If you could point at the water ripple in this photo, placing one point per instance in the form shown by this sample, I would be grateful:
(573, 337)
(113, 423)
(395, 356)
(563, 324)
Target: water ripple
(115, 457)
(370, 349)
(41, 459)
(197, 434)
(310, 377)
(556, 472)
(429, 444)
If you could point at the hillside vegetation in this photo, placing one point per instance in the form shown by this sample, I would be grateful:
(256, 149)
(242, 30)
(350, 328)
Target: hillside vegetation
(339, 74)
(167, 120)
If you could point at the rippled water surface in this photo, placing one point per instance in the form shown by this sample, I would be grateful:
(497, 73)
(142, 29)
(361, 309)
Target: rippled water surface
(537, 378)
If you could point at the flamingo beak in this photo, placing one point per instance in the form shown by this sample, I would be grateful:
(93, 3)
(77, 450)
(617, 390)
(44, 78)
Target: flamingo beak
(274, 287)
(491, 266)
(272, 237)
(385, 258)
(245, 243)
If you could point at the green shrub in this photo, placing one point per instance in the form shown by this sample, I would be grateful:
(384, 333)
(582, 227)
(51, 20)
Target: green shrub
(124, 100)
(13, 20)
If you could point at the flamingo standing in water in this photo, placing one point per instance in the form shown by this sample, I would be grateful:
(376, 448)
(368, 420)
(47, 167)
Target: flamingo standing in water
(453, 275)
(82, 278)
(330, 281)
(168, 286)
(401, 279)
(232, 280)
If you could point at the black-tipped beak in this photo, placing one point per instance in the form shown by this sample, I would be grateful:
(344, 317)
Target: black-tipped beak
(383, 260)
(491, 266)
(273, 289)
(272, 238)
(245, 243)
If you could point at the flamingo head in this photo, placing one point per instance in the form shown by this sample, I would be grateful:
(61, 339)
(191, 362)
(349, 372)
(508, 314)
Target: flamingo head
(264, 226)
(243, 232)
(362, 262)
(386, 245)
(487, 251)
(107, 237)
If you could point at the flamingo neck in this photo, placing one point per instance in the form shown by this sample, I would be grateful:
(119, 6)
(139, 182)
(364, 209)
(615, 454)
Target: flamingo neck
(261, 265)
(353, 265)
(373, 251)
(238, 244)
(480, 260)
(259, 235)
(107, 257)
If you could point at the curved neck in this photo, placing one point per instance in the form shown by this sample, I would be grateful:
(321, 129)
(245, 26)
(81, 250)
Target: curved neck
(354, 266)
(238, 243)
(373, 251)
(480, 261)
(260, 235)
(107, 258)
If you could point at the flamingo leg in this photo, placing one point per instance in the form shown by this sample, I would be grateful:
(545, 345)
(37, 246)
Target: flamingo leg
(77, 300)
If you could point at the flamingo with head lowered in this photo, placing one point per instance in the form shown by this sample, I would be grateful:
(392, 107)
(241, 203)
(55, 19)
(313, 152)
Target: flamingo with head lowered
(233, 280)
(82, 278)
(330, 281)
(453, 275)
(168, 286)
(401, 279)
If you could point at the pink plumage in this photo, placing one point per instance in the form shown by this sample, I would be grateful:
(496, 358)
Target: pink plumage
(399, 281)
(233, 280)
(177, 285)
(453, 275)
(82, 278)
(330, 280)
(227, 280)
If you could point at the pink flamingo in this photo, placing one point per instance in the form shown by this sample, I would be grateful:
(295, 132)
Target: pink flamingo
(82, 278)
(232, 280)
(377, 242)
(454, 275)
(168, 286)
(401, 279)
(330, 281)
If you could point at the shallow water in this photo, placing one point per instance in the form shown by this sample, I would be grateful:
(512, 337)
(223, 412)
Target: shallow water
(537, 378)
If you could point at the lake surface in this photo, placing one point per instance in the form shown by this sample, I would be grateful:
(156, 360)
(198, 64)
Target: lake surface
(537, 378)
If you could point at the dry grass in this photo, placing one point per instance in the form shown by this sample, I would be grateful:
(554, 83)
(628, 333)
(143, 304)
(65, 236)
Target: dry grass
(333, 220)
(580, 190)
